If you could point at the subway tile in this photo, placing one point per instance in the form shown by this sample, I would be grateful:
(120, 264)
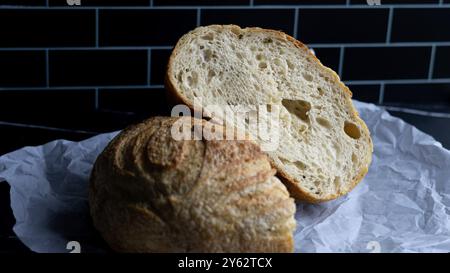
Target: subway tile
(442, 62)
(419, 25)
(160, 59)
(103, 3)
(428, 93)
(98, 67)
(378, 63)
(55, 108)
(47, 27)
(396, 2)
(69, 109)
(199, 2)
(299, 2)
(343, 25)
(366, 93)
(329, 57)
(151, 101)
(279, 19)
(22, 68)
(134, 27)
(31, 102)
(22, 3)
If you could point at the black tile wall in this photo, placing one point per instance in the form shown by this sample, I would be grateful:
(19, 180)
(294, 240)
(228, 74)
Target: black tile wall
(329, 57)
(442, 62)
(397, 2)
(299, 2)
(103, 2)
(343, 25)
(106, 61)
(421, 25)
(47, 100)
(144, 27)
(54, 108)
(433, 94)
(102, 67)
(378, 63)
(22, 68)
(199, 2)
(151, 101)
(23, 2)
(46, 28)
(280, 19)
(367, 93)
(160, 58)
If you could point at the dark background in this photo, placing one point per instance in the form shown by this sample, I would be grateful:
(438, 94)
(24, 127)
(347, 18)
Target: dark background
(75, 71)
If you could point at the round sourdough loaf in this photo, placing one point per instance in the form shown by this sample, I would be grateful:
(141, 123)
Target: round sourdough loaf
(151, 193)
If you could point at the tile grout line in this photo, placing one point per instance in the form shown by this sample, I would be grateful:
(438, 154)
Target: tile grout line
(330, 6)
(381, 95)
(47, 68)
(296, 14)
(199, 14)
(389, 26)
(23, 125)
(341, 61)
(432, 60)
(83, 87)
(96, 99)
(318, 45)
(96, 28)
(149, 66)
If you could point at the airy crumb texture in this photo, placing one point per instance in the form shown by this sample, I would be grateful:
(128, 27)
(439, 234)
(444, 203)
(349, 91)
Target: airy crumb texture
(151, 193)
(325, 148)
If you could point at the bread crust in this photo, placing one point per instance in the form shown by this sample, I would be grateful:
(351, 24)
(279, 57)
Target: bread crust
(151, 193)
(296, 191)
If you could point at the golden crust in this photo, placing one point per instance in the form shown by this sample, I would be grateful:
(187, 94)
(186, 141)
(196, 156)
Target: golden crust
(151, 193)
(296, 191)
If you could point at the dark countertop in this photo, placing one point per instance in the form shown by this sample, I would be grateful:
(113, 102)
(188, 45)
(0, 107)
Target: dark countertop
(15, 137)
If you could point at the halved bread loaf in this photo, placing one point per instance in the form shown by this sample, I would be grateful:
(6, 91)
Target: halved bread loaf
(324, 148)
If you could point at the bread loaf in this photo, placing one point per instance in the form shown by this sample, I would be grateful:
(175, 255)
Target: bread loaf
(151, 193)
(324, 148)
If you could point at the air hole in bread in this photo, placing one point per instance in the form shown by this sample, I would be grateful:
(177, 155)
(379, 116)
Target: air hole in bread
(269, 108)
(290, 64)
(262, 65)
(253, 48)
(300, 165)
(307, 77)
(278, 62)
(202, 47)
(240, 36)
(208, 37)
(267, 41)
(211, 75)
(207, 55)
(354, 158)
(323, 122)
(299, 108)
(260, 57)
(352, 130)
(320, 90)
(239, 55)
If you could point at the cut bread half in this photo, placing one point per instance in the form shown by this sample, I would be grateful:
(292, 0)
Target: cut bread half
(324, 149)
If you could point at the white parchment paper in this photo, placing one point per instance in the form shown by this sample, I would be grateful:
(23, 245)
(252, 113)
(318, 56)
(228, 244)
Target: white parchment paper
(402, 205)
